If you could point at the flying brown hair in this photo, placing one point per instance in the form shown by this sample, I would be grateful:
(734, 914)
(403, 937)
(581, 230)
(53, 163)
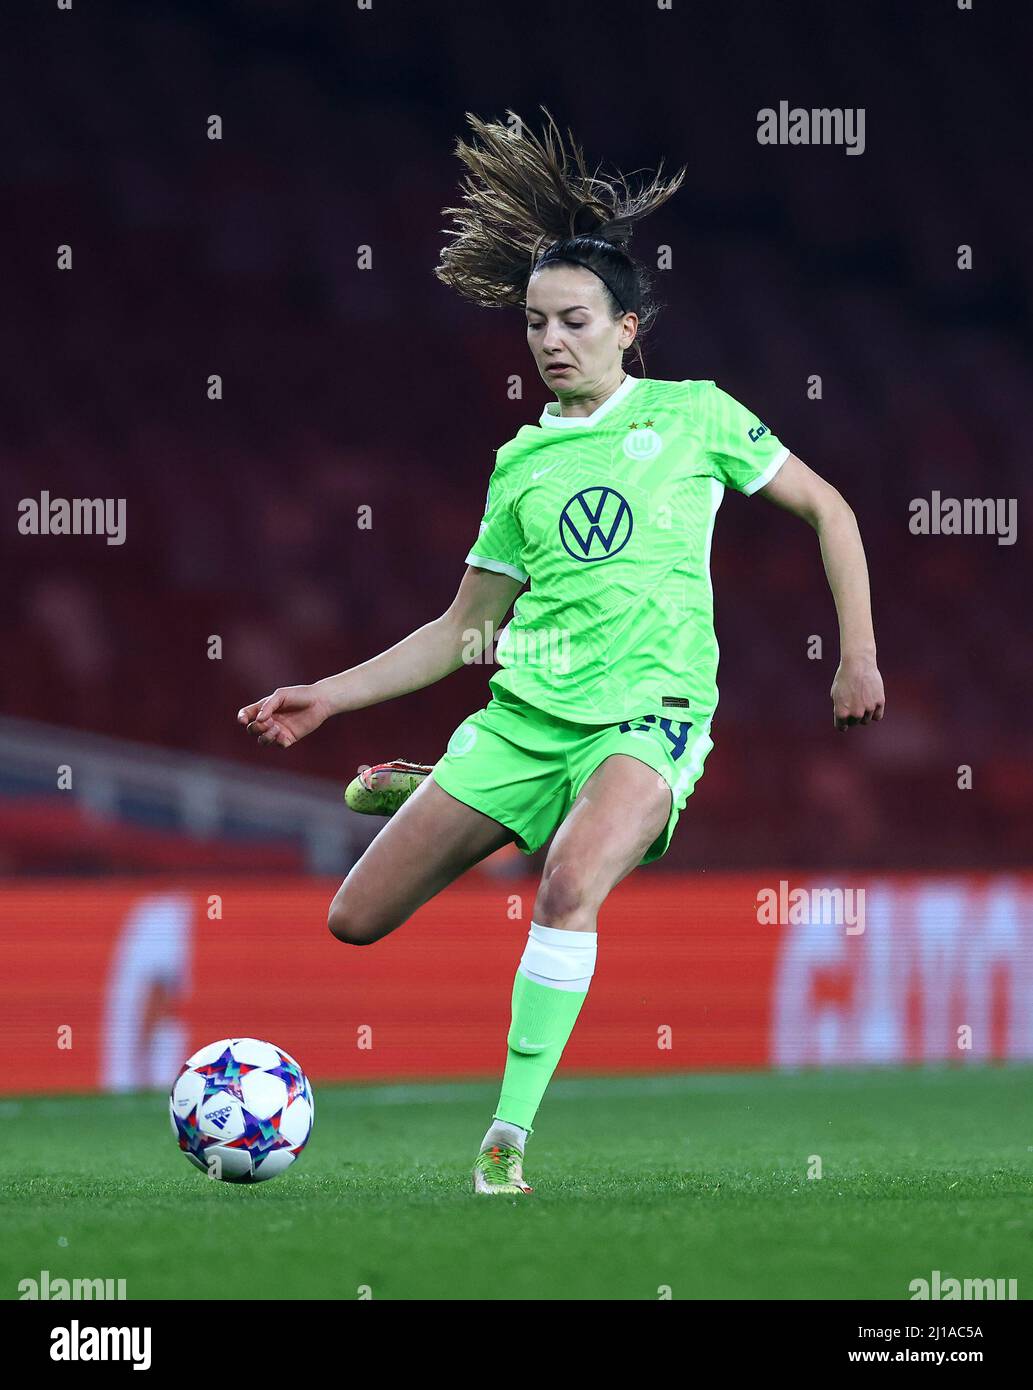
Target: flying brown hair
(529, 202)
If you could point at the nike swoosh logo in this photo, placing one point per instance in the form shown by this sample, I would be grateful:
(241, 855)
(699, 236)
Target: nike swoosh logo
(542, 472)
(533, 1047)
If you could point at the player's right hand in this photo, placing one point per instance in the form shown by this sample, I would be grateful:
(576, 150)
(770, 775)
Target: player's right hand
(285, 716)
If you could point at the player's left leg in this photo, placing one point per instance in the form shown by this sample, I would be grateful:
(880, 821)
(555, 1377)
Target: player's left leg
(619, 813)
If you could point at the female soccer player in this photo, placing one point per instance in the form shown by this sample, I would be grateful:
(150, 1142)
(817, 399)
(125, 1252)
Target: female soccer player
(600, 714)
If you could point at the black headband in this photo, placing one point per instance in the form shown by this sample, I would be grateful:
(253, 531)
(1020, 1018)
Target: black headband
(573, 260)
(601, 277)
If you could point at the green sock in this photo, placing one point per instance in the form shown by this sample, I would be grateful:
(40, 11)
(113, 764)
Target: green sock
(540, 1015)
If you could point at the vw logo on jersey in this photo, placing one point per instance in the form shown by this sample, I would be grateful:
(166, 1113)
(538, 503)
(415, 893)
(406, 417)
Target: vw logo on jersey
(595, 524)
(642, 444)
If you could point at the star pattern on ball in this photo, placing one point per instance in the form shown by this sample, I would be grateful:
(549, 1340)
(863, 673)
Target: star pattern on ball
(224, 1074)
(260, 1136)
(291, 1075)
(191, 1140)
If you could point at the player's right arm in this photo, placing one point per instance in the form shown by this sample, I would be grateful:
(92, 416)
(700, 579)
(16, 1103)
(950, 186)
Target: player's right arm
(424, 657)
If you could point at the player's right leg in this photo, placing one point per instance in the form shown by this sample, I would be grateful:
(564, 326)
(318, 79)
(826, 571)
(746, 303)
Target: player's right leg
(429, 842)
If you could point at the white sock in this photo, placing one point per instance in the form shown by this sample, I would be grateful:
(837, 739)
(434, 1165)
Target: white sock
(558, 958)
(501, 1132)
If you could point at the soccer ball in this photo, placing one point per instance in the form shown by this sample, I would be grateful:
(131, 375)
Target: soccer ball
(242, 1110)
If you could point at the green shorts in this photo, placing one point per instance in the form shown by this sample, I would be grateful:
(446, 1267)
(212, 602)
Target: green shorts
(525, 768)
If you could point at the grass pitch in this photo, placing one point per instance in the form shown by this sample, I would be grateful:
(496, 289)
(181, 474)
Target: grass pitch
(693, 1184)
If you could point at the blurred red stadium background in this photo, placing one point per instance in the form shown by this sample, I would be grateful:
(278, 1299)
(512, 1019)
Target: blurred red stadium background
(113, 987)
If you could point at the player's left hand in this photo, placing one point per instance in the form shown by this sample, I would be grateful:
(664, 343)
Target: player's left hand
(857, 693)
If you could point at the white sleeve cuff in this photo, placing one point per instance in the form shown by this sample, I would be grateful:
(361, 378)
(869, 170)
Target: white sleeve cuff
(769, 472)
(498, 566)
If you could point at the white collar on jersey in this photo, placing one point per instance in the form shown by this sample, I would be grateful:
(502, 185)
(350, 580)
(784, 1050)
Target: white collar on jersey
(554, 420)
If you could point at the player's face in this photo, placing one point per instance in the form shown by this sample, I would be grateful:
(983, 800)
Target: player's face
(575, 340)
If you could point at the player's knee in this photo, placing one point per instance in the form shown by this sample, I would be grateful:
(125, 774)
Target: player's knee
(349, 926)
(564, 896)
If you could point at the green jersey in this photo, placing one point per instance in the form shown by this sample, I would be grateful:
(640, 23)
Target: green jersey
(610, 516)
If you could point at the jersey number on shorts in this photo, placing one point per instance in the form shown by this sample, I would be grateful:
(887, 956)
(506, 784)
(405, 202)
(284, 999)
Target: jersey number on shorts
(677, 731)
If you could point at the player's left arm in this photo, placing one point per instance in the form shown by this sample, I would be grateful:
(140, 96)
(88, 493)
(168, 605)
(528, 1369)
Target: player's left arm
(857, 693)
